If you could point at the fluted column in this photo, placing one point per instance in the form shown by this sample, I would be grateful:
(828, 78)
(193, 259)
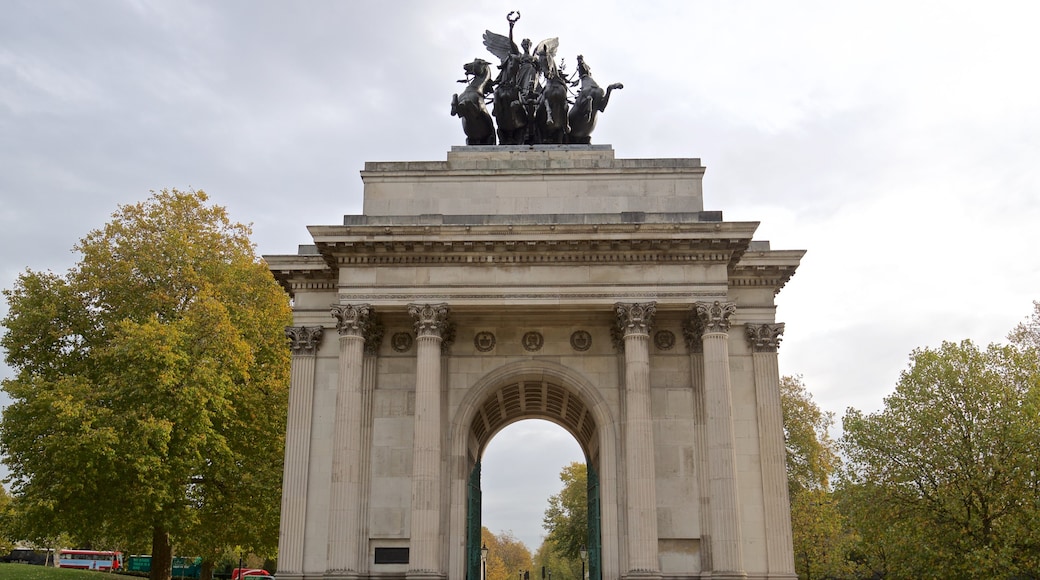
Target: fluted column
(764, 339)
(431, 323)
(304, 342)
(712, 318)
(353, 321)
(634, 323)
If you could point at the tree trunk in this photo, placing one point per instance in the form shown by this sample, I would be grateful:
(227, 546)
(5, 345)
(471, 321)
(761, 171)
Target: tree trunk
(206, 571)
(162, 555)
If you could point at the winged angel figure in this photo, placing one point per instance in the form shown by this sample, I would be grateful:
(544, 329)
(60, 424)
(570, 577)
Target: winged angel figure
(518, 88)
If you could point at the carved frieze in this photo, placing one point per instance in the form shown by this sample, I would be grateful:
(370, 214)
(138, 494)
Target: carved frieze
(304, 340)
(764, 337)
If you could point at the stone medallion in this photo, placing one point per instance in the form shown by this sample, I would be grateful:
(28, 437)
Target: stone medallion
(484, 341)
(664, 340)
(401, 342)
(533, 341)
(581, 340)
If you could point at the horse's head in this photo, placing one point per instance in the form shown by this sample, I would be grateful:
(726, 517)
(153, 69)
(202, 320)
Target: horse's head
(478, 68)
(584, 69)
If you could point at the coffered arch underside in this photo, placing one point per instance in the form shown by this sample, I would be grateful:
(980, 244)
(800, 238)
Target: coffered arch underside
(536, 398)
(534, 389)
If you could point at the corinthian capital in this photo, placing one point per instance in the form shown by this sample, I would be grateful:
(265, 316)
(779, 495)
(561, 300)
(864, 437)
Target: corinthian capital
(764, 337)
(304, 339)
(635, 317)
(430, 319)
(713, 316)
(353, 319)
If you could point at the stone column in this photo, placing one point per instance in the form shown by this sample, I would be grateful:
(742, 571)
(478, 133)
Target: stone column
(634, 322)
(431, 324)
(727, 555)
(764, 339)
(353, 322)
(304, 342)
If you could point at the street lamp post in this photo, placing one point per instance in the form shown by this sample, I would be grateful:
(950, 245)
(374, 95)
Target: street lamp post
(483, 562)
(584, 554)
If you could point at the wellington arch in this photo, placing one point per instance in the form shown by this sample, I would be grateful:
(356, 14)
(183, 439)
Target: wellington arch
(535, 281)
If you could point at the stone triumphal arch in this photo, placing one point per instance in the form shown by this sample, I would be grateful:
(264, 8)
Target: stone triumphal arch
(556, 282)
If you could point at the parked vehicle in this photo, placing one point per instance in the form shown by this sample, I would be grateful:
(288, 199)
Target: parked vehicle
(103, 560)
(249, 573)
(27, 556)
(183, 567)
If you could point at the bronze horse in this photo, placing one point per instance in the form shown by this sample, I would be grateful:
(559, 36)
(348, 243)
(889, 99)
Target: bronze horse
(551, 121)
(469, 105)
(591, 99)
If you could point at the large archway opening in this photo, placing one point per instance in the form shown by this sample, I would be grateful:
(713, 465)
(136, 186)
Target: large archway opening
(501, 412)
(519, 471)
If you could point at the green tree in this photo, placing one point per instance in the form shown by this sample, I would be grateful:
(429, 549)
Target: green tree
(1027, 334)
(950, 468)
(151, 386)
(506, 555)
(7, 536)
(562, 568)
(567, 518)
(818, 534)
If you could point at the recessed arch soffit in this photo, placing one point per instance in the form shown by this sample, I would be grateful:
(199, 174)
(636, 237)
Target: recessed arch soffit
(533, 399)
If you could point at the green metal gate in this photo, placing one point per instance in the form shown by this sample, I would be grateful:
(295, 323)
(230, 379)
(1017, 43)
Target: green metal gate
(473, 507)
(595, 546)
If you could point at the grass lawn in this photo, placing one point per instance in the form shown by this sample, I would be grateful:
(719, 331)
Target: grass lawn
(29, 572)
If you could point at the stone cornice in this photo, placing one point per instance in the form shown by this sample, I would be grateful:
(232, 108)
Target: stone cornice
(770, 268)
(302, 272)
(453, 245)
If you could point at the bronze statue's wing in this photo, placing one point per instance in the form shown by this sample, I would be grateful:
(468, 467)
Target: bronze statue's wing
(550, 45)
(499, 45)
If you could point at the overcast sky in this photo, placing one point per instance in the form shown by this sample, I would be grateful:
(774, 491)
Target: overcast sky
(898, 142)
